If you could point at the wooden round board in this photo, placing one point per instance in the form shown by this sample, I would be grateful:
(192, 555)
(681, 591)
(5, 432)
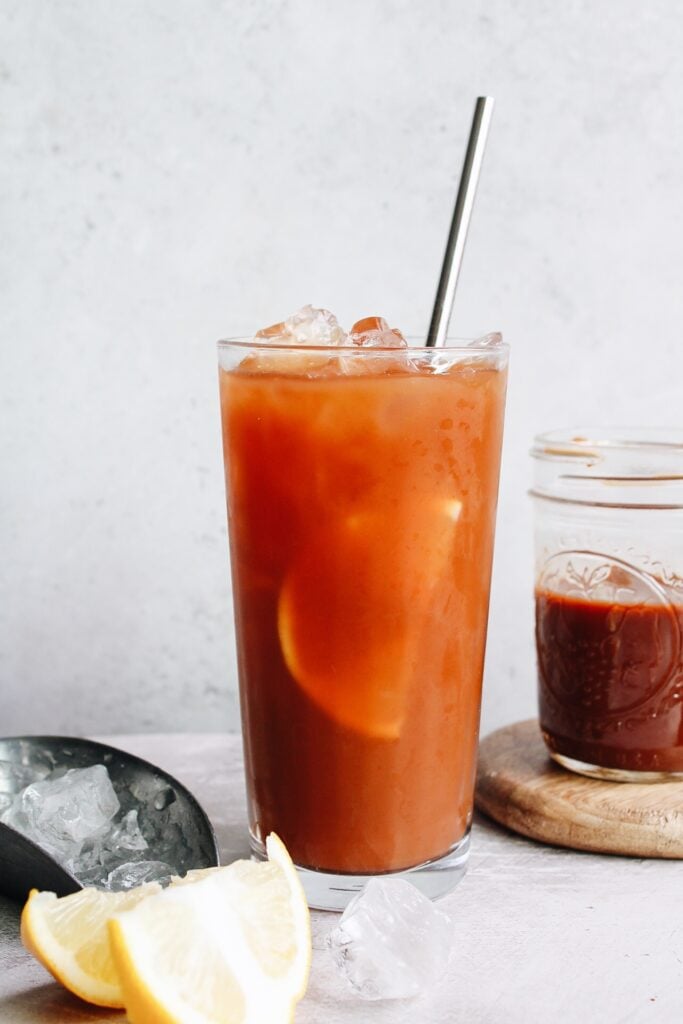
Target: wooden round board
(519, 786)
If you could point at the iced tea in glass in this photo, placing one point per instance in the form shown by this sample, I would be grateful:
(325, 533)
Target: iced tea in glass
(361, 488)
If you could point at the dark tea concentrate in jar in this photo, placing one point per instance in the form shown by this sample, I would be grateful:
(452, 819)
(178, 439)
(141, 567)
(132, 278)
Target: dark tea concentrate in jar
(609, 600)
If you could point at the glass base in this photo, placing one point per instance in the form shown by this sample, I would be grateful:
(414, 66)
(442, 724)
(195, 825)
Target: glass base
(328, 891)
(595, 771)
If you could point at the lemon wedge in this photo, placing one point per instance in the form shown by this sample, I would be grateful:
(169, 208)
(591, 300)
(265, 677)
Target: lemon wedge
(233, 947)
(356, 611)
(69, 937)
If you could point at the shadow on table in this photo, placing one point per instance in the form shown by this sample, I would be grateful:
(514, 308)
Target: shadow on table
(50, 1003)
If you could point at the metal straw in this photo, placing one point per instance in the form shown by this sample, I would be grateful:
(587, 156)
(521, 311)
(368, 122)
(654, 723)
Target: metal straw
(455, 246)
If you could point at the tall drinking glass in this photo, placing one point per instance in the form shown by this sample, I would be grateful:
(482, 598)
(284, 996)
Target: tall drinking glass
(361, 489)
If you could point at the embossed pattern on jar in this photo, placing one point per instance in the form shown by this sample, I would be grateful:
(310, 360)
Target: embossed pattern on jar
(609, 602)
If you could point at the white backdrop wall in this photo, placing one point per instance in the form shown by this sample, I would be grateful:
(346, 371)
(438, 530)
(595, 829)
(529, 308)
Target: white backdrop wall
(174, 171)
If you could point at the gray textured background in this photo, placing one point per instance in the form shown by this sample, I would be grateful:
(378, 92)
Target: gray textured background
(171, 172)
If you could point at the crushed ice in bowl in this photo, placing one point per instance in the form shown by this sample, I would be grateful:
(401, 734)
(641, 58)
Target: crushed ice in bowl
(76, 816)
(133, 873)
(60, 814)
(125, 835)
(391, 942)
(14, 777)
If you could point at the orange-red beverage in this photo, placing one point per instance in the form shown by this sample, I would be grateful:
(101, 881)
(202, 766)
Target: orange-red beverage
(361, 492)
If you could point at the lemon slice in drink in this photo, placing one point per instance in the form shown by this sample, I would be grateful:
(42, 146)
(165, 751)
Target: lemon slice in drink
(231, 948)
(69, 937)
(356, 611)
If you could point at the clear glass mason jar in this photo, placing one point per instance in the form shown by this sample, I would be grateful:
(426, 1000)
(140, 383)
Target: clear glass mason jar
(609, 600)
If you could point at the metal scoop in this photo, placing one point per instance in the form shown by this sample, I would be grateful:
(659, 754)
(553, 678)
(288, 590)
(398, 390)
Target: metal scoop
(181, 833)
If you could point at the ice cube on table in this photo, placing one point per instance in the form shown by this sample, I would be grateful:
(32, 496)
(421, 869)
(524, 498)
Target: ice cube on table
(60, 814)
(391, 942)
(133, 873)
(374, 332)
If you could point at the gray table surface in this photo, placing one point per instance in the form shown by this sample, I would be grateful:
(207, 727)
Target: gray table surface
(540, 934)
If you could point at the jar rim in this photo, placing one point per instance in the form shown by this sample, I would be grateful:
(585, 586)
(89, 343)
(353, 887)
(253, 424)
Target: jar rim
(592, 445)
(610, 467)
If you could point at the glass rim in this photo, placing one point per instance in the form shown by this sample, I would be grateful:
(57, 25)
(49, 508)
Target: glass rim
(491, 343)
